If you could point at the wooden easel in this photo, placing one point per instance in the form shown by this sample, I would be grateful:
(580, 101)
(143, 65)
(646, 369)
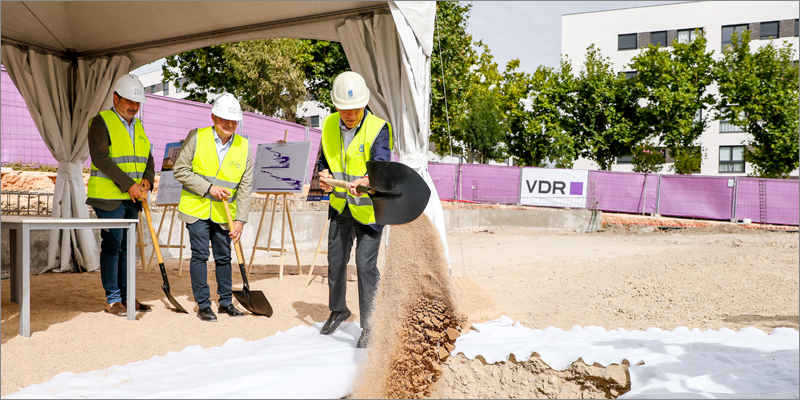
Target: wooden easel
(285, 214)
(180, 246)
(311, 269)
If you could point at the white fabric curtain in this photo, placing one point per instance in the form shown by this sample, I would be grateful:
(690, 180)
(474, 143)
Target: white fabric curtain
(44, 81)
(392, 51)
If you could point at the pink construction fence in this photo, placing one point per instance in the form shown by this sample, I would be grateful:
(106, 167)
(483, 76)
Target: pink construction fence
(727, 198)
(166, 120)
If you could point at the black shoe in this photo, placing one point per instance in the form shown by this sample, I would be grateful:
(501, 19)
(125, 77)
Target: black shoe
(207, 315)
(230, 310)
(336, 319)
(363, 340)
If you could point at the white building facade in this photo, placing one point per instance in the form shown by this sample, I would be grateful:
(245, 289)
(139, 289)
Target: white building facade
(622, 34)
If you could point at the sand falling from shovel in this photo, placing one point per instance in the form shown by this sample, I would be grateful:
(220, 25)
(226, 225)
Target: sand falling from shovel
(415, 320)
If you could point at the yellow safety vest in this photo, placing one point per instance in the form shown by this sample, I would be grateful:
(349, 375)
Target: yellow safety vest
(351, 163)
(228, 175)
(130, 156)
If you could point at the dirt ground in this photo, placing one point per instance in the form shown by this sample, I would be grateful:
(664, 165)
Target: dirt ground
(631, 278)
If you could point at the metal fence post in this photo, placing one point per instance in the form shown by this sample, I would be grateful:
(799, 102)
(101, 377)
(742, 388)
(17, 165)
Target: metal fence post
(658, 196)
(733, 200)
(458, 185)
(519, 186)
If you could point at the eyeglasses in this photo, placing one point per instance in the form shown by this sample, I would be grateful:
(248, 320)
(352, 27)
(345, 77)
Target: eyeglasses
(223, 121)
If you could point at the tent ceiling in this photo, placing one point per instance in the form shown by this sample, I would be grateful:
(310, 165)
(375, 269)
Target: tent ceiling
(144, 26)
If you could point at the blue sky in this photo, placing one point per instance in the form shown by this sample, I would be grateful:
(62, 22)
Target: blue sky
(528, 30)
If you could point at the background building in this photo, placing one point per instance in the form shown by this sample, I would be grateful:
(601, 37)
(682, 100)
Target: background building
(620, 34)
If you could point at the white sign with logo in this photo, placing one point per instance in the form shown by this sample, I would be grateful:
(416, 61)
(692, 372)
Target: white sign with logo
(169, 189)
(554, 187)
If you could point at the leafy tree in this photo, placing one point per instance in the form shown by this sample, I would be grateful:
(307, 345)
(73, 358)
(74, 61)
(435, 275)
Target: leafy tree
(324, 62)
(646, 158)
(537, 134)
(759, 91)
(674, 85)
(268, 75)
(602, 115)
(453, 56)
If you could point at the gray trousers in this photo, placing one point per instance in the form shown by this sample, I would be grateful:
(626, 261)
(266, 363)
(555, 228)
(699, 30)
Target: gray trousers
(344, 228)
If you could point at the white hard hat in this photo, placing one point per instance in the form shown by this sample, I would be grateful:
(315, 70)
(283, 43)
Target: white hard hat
(349, 91)
(130, 87)
(227, 107)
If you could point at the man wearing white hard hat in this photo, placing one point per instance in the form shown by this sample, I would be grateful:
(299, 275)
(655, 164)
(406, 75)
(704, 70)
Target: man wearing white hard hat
(351, 137)
(122, 172)
(214, 163)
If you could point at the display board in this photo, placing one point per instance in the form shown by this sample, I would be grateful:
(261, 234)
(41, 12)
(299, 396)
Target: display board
(554, 187)
(281, 167)
(169, 189)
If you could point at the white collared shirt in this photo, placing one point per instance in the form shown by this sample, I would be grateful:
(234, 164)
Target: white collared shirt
(222, 149)
(130, 127)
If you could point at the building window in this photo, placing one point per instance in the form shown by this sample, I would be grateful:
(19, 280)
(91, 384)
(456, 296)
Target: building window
(630, 74)
(768, 30)
(686, 36)
(626, 42)
(797, 27)
(725, 126)
(728, 31)
(625, 159)
(151, 89)
(658, 38)
(315, 121)
(731, 158)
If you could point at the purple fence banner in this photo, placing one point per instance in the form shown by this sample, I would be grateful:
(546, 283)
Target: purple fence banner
(771, 201)
(482, 183)
(444, 177)
(696, 196)
(628, 192)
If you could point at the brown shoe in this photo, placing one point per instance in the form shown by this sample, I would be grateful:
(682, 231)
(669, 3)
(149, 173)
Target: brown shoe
(139, 306)
(116, 309)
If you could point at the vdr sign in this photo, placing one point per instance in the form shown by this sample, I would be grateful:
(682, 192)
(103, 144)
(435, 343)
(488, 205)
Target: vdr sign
(554, 187)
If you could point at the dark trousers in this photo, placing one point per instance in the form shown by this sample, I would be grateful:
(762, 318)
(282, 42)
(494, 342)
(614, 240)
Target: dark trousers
(344, 228)
(200, 233)
(114, 252)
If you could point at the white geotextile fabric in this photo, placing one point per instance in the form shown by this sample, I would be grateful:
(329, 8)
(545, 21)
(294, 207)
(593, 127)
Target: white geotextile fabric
(393, 54)
(301, 363)
(43, 80)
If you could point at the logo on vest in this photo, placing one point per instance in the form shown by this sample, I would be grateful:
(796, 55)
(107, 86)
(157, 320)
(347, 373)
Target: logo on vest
(235, 164)
(361, 148)
(349, 94)
(141, 137)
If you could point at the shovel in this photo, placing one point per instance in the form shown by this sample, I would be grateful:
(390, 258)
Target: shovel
(157, 249)
(399, 194)
(255, 301)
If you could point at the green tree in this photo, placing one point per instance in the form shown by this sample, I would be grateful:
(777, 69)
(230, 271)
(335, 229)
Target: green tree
(759, 91)
(674, 86)
(268, 75)
(324, 62)
(602, 117)
(453, 56)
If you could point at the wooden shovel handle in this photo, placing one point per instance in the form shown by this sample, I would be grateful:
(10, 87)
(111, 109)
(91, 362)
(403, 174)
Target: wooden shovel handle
(346, 185)
(153, 236)
(237, 245)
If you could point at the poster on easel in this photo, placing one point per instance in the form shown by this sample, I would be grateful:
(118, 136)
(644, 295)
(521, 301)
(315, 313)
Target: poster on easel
(169, 189)
(281, 167)
(315, 192)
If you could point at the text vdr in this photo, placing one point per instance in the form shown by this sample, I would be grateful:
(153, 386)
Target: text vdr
(547, 186)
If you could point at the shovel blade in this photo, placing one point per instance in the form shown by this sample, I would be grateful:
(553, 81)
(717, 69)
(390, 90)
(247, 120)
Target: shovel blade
(174, 302)
(254, 301)
(401, 193)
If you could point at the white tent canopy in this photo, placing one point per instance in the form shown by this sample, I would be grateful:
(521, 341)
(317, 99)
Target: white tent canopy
(64, 56)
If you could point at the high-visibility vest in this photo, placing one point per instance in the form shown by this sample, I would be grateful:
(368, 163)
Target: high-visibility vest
(351, 163)
(130, 156)
(228, 175)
